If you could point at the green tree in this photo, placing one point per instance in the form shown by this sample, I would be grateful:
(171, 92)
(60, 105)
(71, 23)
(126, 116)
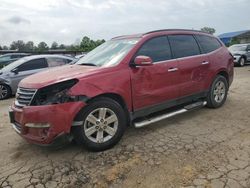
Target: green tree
(54, 45)
(209, 30)
(42, 46)
(62, 46)
(5, 48)
(18, 45)
(29, 46)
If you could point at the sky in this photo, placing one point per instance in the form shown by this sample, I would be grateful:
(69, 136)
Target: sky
(67, 21)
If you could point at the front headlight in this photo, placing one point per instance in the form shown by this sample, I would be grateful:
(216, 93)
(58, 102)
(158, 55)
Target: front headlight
(54, 94)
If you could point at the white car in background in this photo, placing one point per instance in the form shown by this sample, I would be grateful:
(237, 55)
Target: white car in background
(12, 74)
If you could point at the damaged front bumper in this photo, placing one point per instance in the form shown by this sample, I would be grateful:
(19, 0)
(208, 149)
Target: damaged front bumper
(43, 125)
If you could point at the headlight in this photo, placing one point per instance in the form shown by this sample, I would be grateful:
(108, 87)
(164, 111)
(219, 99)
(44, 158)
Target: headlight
(54, 94)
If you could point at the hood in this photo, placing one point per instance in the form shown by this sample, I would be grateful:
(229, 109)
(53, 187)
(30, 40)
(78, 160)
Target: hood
(238, 52)
(58, 74)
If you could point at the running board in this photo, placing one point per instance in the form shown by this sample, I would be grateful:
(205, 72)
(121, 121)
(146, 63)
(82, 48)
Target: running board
(171, 114)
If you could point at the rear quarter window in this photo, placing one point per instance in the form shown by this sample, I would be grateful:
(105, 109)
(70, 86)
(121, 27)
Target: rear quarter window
(208, 44)
(56, 61)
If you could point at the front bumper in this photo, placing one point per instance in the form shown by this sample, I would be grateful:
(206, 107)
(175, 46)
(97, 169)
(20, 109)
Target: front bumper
(236, 59)
(59, 118)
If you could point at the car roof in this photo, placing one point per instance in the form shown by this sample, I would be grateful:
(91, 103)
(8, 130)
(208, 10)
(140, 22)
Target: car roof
(162, 31)
(46, 56)
(15, 54)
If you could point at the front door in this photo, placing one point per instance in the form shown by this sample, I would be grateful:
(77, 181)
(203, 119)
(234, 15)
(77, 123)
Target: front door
(26, 69)
(154, 85)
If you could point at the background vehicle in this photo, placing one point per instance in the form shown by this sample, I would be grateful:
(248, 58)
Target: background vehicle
(8, 58)
(127, 80)
(241, 53)
(12, 74)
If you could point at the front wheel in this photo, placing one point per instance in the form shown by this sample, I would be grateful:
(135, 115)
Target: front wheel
(5, 91)
(242, 61)
(217, 94)
(104, 122)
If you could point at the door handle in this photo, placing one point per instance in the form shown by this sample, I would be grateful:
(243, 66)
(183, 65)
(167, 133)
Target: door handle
(205, 63)
(172, 69)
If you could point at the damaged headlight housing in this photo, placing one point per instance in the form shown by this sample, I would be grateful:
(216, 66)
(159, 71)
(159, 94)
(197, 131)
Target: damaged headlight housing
(54, 94)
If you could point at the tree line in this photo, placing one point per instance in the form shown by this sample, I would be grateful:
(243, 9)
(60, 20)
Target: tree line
(85, 45)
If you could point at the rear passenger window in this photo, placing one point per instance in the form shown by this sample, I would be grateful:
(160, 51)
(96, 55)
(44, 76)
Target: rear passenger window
(33, 64)
(54, 61)
(157, 49)
(183, 45)
(208, 44)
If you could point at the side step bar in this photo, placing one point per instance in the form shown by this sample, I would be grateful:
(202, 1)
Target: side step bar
(171, 114)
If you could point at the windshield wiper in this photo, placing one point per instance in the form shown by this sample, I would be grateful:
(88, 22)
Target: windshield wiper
(88, 64)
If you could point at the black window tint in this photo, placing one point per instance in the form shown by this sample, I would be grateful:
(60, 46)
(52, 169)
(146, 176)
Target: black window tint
(208, 44)
(183, 45)
(157, 48)
(14, 56)
(33, 64)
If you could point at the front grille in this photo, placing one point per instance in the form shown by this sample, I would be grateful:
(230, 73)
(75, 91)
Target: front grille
(24, 97)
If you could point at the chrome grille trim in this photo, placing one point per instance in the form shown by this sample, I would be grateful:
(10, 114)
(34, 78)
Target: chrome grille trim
(17, 127)
(24, 97)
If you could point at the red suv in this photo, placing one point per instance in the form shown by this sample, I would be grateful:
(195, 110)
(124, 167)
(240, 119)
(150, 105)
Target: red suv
(129, 80)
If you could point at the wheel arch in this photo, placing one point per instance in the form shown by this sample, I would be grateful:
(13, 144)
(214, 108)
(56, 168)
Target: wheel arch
(224, 74)
(114, 96)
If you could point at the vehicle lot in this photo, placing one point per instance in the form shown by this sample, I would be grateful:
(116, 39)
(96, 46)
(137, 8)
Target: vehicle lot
(202, 148)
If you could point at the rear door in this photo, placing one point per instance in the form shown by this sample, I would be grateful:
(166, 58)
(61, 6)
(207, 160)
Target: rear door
(191, 63)
(28, 68)
(153, 85)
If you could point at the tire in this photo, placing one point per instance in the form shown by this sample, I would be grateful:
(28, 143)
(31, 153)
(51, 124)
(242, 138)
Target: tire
(98, 131)
(217, 94)
(5, 91)
(242, 62)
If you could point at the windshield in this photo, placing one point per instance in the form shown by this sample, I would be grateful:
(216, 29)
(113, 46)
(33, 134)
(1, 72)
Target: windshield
(108, 54)
(237, 48)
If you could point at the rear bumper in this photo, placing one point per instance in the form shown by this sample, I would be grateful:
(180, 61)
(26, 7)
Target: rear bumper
(48, 122)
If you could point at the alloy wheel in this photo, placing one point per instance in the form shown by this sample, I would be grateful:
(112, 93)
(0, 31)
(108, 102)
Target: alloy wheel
(219, 91)
(101, 125)
(242, 62)
(3, 91)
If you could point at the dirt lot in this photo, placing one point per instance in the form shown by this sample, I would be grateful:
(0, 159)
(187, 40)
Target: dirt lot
(203, 148)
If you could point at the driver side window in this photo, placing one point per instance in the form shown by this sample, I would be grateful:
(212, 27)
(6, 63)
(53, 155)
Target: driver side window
(33, 65)
(158, 49)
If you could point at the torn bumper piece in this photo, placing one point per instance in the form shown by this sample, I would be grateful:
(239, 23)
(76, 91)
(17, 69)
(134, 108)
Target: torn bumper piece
(43, 125)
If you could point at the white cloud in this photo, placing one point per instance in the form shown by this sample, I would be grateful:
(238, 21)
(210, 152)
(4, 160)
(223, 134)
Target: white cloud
(66, 20)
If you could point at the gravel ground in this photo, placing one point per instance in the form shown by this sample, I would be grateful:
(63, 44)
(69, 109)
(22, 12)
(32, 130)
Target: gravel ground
(203, 148)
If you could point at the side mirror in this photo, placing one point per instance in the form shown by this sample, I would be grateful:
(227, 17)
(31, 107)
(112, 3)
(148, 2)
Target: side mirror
(15, 70)
(143, 61)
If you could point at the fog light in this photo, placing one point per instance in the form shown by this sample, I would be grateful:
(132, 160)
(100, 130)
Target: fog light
(37, 125)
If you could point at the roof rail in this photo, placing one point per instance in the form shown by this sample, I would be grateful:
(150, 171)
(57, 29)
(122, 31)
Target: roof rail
(174, 30)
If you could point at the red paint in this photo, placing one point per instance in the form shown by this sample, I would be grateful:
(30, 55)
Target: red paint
(139, 87)
(59, 117)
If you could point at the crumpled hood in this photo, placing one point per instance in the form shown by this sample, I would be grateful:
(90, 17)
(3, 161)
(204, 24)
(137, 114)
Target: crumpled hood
(58, 74)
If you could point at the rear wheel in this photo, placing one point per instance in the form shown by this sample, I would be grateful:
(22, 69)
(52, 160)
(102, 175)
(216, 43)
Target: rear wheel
(242, 61)
(104, 122)
(5, 91)
(218, 92)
